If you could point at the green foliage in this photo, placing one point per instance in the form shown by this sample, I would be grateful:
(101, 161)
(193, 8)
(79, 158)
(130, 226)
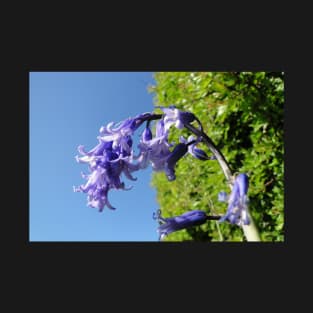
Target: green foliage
(242, 112)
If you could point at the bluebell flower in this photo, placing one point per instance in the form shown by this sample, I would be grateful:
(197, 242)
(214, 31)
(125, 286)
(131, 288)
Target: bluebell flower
(237, 202)
(99, 199)
(178, 152)
(145, 146)
(97, 189)
(222, 196)
(146, 134)
(173, 116)
(119, 134)
(155, 150)
(172, 224)
(193, 150)
(105, 175)
(112, 157)
(160, 130)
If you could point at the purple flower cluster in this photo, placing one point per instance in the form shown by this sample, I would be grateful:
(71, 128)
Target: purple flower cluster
(114, 155)
(108, 160)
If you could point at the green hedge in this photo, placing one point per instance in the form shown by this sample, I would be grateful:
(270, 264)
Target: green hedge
(242, 112)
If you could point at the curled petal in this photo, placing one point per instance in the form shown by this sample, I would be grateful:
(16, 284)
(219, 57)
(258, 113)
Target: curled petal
(97, 150)
(86, 159)
(84, 175)
(109, 205)
(126, 188)
(109, 138)
(81, 150)
(76, 189)
(107, 129)
(118, 126)
(128, 174)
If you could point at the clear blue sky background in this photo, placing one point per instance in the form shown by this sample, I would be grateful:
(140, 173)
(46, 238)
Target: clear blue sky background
(67, 109)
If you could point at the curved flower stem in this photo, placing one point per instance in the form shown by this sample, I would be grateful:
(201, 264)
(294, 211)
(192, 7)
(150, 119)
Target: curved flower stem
(148, 117)
(219, 231)
(251, 232)
(219, 156)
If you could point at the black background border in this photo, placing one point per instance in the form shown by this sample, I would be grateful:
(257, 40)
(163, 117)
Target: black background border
(75, 266)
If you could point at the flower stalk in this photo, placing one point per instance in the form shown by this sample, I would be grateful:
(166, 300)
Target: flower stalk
(250, 231)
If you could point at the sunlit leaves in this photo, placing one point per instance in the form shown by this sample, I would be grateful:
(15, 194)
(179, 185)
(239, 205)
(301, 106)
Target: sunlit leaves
(243, 114)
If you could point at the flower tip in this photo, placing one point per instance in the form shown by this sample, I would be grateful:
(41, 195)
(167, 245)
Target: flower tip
(147, 134)
(200, 154)
(162, 236)
(222, 219)
(243, 183)
(77, 189)
(222, 196)
(80, 148)
(127, 188)
(171, 177)
(187, 117)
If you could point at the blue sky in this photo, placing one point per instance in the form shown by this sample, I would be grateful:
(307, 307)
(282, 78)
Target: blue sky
(67, 109)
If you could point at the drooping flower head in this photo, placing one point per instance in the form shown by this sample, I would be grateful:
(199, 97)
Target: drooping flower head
(114, 154)
(237, 202)
(172, 224)
(111, 158)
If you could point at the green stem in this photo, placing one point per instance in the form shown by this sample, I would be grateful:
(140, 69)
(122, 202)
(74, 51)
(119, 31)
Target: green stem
(219, 231)
(251, 232)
